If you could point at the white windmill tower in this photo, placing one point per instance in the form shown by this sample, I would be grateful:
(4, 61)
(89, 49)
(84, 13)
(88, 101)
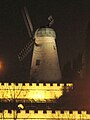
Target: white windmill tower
(45, 64)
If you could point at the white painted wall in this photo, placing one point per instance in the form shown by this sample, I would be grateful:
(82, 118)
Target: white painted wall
(48, 69)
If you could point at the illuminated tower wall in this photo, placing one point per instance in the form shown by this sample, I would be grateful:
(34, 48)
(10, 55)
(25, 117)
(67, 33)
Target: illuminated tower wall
(45, 64)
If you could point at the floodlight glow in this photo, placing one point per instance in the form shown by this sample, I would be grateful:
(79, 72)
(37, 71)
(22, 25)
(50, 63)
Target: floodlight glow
(1, 65)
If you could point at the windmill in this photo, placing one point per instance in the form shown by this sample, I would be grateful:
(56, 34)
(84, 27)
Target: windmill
(45, 63)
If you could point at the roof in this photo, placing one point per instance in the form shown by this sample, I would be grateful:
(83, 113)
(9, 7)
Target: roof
(45, 32)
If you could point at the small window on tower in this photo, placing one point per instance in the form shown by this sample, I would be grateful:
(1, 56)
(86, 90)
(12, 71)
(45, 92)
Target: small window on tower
(37, 62)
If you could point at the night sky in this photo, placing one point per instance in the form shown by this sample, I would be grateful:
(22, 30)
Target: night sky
(71, 21)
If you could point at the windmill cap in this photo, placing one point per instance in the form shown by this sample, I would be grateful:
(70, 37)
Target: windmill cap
(45, 32)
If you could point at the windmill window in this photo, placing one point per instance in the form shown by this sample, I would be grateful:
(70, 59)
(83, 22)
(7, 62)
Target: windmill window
(37, 62)
(54, 48)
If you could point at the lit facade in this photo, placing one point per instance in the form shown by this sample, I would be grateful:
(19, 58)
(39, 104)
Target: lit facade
(43, 115)
(32, 92)
(45, 64)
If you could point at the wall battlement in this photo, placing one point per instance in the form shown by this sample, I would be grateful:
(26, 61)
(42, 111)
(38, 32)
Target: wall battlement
(40, 114)
(34, 91)
(35, 84)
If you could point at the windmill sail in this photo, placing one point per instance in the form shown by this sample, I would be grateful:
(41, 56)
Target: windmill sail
(24, 52)
(26, 23)
(50, 18)
(28, 19)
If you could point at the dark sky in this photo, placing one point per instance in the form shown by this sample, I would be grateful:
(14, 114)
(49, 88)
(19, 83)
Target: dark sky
(71, 21)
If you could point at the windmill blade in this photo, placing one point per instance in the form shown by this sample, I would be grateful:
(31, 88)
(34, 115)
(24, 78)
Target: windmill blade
(50, 18)
(24, 52)
(26, 23)
(28, 20)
